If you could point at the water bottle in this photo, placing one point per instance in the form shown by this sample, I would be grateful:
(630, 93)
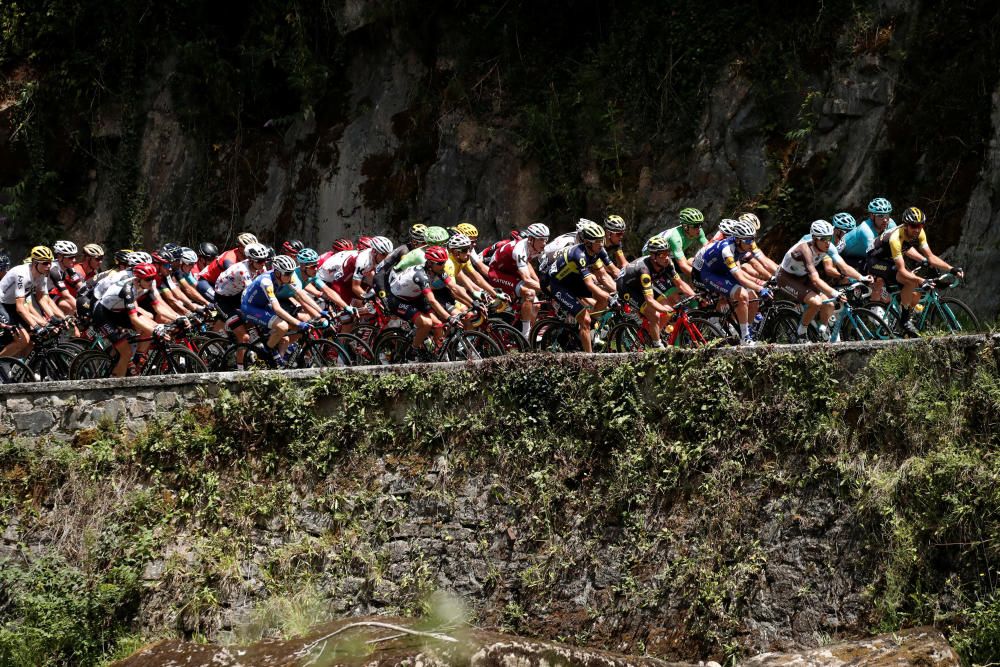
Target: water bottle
(757, 319)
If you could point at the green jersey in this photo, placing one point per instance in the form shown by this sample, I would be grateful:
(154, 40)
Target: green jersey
(681, 245)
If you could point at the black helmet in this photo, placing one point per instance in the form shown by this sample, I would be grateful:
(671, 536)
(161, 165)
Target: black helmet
(206, 249)
(4, 261)
(121, 256)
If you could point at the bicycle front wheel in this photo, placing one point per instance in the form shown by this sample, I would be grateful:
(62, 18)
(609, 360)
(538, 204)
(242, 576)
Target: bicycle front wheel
(361, 353)
(91, 365)
(392, 348)
(507, 337)
(950, 315)
(174, 360)
(14, 371)
(628, 337)
(472, 345)
(690, 338)
(863, 324)
(560, 337)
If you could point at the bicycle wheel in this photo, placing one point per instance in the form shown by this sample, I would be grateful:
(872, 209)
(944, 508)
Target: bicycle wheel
(561, 337)
(321, 353)
(538, 330)
(254, 357)
(361, 353)
(950, 315)
(174, 360)
(52, 364)
(91, 365)
(213, 351)
(865, 325)
(628, 337)
(14, 371)
(781, 327)
(391, 348)
(472, 345)
(366, 332)
(507, 337)
(706, 328)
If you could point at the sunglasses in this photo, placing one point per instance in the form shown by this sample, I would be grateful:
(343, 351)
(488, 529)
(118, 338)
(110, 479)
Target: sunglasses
(914, 225)
(824, 238)
(44, 263)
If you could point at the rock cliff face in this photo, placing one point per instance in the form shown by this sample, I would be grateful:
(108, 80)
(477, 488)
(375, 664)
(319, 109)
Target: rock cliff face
(885, 103)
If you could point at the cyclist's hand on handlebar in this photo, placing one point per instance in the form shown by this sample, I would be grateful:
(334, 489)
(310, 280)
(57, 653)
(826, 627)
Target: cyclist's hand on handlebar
(765, 293)
(958, 271)
(613, 300)
(304, 326)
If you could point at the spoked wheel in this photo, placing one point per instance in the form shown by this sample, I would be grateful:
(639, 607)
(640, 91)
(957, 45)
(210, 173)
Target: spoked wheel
(951, 316)
(14, 371)
(174, 360)
(560, 337)
(361, 353)
(473, 345)
(322, 353)
(708, 330)
(391, 348)
(508, 337)
(91, 365)
(869, 326)
(538, 330)
(628, 337)
(51, 364)
(213, 351)
(781, 327)
(245, 356)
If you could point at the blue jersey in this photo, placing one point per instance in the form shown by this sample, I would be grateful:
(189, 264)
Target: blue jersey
(574, 264)
(260, 292)
(718, 257)
(858, 241)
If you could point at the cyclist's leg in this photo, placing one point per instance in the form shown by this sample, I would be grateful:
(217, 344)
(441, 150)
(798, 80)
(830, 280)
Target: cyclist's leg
(568, 300)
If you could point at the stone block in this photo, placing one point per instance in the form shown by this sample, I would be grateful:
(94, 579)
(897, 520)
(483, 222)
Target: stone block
(166, 400)
(19, 404)
(35, 422)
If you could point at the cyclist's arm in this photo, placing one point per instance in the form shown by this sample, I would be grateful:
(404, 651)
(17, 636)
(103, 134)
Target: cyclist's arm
(48, 306)
(842, 269)
(438, 309)
(459, 292)
(591, 282)
(683, 264)
(530, 278)
(194, 296)
(682, 285)
(307, 302)
(934, 260)
(27, 313)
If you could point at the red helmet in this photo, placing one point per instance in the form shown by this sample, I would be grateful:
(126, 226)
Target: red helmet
(364, 243)
(144, 271)
(341, 245)
(515, 235)
(291, 248)
(159, 259)
(436, 254)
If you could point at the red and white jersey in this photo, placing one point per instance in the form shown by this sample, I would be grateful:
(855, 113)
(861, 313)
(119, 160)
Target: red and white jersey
(339, 267)
(511, 256)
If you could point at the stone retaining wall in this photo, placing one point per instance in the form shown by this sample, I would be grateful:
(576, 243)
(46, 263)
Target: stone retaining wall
(60, 409)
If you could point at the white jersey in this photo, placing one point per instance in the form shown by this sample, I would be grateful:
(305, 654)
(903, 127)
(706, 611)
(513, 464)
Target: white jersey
(554, 248)
(409, 283)
(20, 283)
(108, 281)
(798, 258)
(123, 294)
(332, 270)
(364, 265)
(234, 280)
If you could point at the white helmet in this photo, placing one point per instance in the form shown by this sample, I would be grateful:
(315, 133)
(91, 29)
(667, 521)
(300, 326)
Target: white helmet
(751, 218)
(188, 256)
(538, 231)
(381, 245)
(256, 251)
(284, 264)
(459, 241)
(134, 258)
(743, 229)
(726, 226)
(246, 238)
(65, 248)
(583, 222)
(93, 250)
(821, 228)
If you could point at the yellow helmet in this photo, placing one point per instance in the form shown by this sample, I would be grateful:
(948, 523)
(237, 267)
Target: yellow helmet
(41, 253)
(468, 229)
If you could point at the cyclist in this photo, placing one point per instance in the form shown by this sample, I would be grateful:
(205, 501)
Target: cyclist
(214, 269)
(169, 292)
(207, 252)
(685, 239)
(260, 306)
(117, 312)
(614, 230)
(292, 248)
(843, 223)
(885, 261)
(63, 277)
(411, 297)
(855, 245)
(310, 274)
(29, 280)
(755, 262)
(185, 260)
(121, 258)
(433, 236)
(572, 279)
(90, 265)
(511, 270)
(461, 268)
(798, 276)
(716, 268)
(637, 281)
(340, 245)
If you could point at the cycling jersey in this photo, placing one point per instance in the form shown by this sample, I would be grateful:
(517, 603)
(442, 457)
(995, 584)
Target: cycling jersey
(182, 276)
(510, 257)
(234, 280)
(364, 266)
(682, 246)
(720, 257)
(859, 240)
(413, 258)
(121, 297)
(64, 279)
(637, 280)
(553, 249)
(798, 258)
(84, 271)
(305, 280)
(410, 283)
(574, 264)
(338, 266)
(453, 266)
(215, 268)
(20, 283)
(287, 291)
(392, 259)
(893, 243)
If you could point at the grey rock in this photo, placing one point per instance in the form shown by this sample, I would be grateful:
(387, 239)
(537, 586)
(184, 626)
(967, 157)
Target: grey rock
(34, 423)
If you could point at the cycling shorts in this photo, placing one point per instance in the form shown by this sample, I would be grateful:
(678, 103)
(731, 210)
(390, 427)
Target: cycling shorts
(798, 287)
(725, 285)
(568, 297)
(115, 325)
(506, 282)
(407, 310)
(228, 305)
(262, 317)
(14, 318)
(884, 269)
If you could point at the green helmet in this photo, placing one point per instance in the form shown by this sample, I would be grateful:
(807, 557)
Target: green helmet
(691, 217)
(657, 244)
(436, 235)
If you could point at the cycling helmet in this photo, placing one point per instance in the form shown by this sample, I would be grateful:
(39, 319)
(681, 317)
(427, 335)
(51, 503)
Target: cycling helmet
(307, 257)
(468, 229)
(583, 222)
(134, 259)
(417, 232)
(381, 245)
(270, 252)
(537, 231)
(291, 248)
(880, 206)
(206, 249)
(691, 217)
(256, 252)
(726, 226)
(284, 264)
(914, 216)
(93, 250)
(459, 242)
(340, 245)
(844, 221)
(515, 235)
(121, 256)
(436, 254)
(364, 242)
(4, 261)
(821, 229)
(743, 230)
(169, 248)
(158, 258)
(591, 232)
(246, 238)
(751, 218)
(188, 256)
(657, 244)
(65, 248)
(41, 253)
(144, 271)
(436, 235)
(614, 223)
(144, 257)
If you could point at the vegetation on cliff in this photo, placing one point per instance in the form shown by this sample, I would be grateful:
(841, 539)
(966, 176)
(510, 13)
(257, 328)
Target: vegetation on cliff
(686, 489)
